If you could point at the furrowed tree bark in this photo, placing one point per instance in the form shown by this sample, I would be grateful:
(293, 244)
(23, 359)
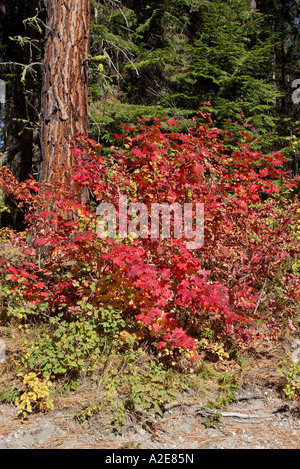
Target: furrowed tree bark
(65, 85)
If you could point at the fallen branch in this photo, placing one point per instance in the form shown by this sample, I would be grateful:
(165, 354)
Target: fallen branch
(184, 403)
(205, 412)
(248, 398)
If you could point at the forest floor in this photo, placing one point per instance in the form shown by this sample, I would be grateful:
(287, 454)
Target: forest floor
(259, 417)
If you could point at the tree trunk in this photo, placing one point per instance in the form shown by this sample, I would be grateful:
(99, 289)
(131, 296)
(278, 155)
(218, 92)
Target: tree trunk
(2, 17)
(65, 85)
(2, 100)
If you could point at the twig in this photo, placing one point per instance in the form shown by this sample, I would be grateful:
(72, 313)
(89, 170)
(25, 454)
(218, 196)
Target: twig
(248, 398)
(205, 412)
(180, 403)
(261, 292)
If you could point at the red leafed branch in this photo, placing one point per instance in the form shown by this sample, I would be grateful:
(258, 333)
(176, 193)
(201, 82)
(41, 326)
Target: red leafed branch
(173, 294)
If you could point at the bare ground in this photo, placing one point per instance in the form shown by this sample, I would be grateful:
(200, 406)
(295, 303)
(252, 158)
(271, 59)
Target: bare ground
(264, 422)
(260, 417)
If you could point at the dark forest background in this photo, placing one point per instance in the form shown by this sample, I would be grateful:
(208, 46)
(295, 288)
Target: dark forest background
(161, 58)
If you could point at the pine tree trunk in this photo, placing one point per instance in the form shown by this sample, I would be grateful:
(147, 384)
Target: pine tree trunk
(65, 85)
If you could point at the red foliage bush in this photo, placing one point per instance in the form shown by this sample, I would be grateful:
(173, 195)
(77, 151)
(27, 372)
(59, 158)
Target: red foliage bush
(173, 294)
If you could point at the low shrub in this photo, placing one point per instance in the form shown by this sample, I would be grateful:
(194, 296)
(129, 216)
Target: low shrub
(160, 290)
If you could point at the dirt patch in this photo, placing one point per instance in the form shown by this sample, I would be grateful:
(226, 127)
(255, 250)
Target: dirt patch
(262, 421)
(259, 417)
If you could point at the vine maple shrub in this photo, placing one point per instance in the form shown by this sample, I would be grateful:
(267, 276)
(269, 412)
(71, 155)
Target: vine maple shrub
(240, 285)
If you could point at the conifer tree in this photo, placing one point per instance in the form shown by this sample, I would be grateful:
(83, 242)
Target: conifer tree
(284, 18)
(183, 53)
(65, 84)
(20, 66)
